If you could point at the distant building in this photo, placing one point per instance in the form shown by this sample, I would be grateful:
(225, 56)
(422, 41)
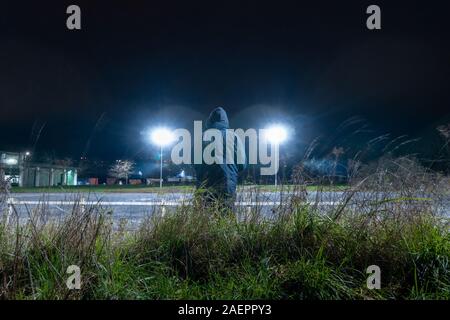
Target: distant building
(16, 168)
(181, 177)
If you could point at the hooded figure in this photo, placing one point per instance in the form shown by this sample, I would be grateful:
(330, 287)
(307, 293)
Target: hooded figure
(220, 179)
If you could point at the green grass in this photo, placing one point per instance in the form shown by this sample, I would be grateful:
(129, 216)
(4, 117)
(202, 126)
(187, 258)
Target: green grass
(197, 253)
(203, 251)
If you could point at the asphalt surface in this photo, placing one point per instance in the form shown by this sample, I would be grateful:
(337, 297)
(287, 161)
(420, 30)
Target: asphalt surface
(135, 206)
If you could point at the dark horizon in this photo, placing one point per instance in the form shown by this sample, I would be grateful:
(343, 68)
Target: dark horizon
(133, 66)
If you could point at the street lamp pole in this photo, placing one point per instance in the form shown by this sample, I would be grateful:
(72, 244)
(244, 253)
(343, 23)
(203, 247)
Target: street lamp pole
(276, 135)
(161, 137)
(161, 168)
(277, 150)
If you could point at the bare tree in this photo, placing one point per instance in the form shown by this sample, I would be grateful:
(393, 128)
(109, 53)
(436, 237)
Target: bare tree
(122, 169)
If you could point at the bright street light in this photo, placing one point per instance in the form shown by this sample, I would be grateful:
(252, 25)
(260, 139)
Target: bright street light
(162, 137)
(276, 135)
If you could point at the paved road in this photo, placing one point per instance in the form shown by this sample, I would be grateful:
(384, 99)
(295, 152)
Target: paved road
(135, 206)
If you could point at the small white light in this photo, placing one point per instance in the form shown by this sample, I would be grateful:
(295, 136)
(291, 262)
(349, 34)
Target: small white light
(276, 134)
(11, 161)
(162, 136)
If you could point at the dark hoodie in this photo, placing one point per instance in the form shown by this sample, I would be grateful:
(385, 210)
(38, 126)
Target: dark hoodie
(220, 179)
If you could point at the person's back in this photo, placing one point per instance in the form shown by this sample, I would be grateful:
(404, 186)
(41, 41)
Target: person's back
(220, 179)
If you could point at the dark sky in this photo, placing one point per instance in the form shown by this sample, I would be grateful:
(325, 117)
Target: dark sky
(137, 64)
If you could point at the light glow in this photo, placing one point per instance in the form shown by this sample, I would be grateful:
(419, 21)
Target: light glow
(276, 134)
(11, 161)
(162, 136)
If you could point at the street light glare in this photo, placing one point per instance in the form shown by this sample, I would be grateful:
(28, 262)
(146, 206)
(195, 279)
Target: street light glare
(276, 134)
(162, 136)
(11, 161)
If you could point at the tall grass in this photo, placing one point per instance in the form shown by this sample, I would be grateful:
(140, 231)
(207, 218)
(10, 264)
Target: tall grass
(390, 215)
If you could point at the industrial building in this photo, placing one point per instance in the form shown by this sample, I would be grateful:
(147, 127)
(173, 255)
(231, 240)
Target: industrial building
(21, 171)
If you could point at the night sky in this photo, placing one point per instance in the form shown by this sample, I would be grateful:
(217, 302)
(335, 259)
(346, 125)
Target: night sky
(138, 64)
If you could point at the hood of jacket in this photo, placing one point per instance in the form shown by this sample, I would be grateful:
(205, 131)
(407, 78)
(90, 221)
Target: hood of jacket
(218, 119)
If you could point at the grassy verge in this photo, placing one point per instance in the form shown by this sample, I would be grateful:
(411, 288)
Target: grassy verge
(202, 253)
(301, 250)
